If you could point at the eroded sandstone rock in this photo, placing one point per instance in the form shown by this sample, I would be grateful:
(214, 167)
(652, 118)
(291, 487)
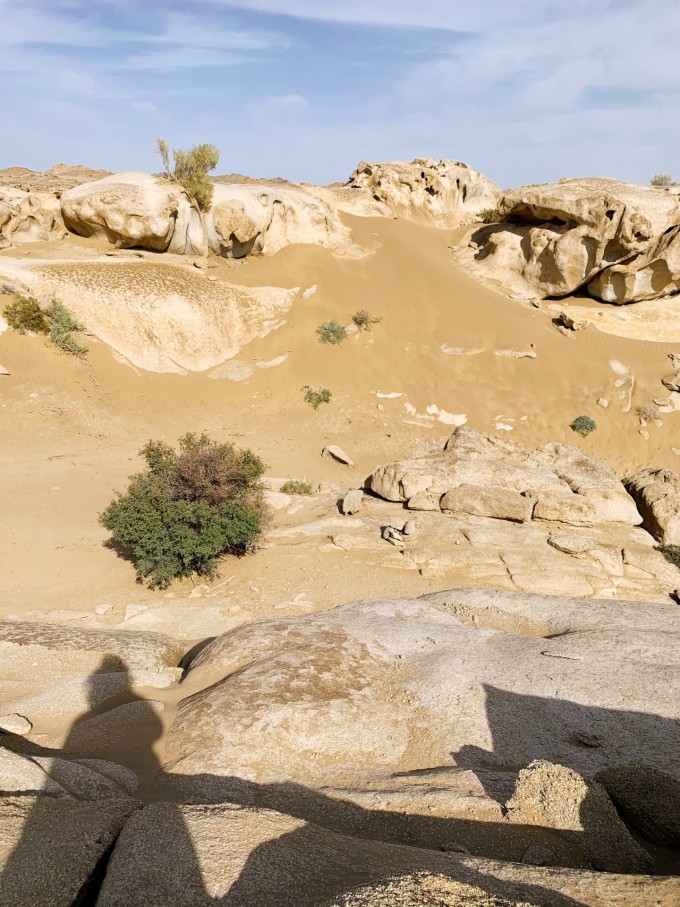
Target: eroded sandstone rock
(657, 495)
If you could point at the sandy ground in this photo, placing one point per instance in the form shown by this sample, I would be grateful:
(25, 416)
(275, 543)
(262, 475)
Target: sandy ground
(71, 430)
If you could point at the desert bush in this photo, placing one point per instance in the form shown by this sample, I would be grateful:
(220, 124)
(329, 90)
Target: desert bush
(490, 215)
(24, 314)
(191, 168)
(188, 508)
(364, 320)
(315, 396)
(63, 326)
(671, 553)
(296, 486)
(584, 425)
(661, 179)
(331, 332)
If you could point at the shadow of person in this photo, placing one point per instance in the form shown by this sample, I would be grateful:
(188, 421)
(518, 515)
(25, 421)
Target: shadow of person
(52, 824)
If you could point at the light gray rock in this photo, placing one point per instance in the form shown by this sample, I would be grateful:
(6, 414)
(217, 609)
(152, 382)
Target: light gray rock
(553, 796)
(334, 452)
(490, 501)
(672, 381)
(657, 495)
(15, 724)
(351, 503)
(424, 500)
(19, 774)
(50, 848)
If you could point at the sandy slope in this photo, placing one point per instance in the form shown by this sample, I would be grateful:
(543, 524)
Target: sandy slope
(71, 430)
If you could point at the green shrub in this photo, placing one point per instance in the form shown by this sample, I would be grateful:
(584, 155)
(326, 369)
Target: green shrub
(661, 179)
(296, 486)
(331, 332)
(490, 216)
(191, 169)
(63, 325)
(671, 553)
(188, 508)
(315, 396)
(584, 425)
(364, 320)
(24, 314)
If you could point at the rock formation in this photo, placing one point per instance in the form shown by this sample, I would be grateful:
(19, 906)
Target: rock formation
(657, 495)
(442, 193)
(29, 217)
(616, 239)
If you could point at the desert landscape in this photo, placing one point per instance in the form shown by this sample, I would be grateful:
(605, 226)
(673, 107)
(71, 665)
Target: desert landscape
(447, 672)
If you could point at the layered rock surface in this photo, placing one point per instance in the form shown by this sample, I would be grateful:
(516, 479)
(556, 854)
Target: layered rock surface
(618, 240)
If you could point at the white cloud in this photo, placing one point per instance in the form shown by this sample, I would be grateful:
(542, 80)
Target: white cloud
(279, 108)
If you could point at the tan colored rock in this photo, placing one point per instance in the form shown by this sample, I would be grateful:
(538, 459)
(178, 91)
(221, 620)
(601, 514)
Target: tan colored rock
(253, 217)
(672, 381)
(333, 452)
(651, 275)
(558, 237)
(351, 503)
(15, 724)
(127, 209)
(490, 501)
(443, 193)
(553, 796)
(29, 216)
(50, 848)
(657, 495)
(648, 797)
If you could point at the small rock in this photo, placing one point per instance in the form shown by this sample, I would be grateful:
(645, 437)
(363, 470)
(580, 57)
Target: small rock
(644, 434)
(672, 381)
(586, 738)
(537, 855)
(603, 402)
(212, 278)
(15, 724)
(410, 528)
(3, 370)
(351, 503)
(565, 319)
(337, 453)
(201, 264)
(393, 536)
(675, 360)
(424, 500)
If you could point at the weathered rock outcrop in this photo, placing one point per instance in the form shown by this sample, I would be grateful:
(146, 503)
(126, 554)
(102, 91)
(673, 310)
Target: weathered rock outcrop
(196, 856)
(29, 217)
(127, 209)
(259, 217)
(491, 477)
(443, 193)
(657, 495)
(618, 239)
(50, 848)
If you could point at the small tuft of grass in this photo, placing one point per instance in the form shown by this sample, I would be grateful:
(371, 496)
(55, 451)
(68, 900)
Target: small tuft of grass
(584, 425)
(315, 396)
(63, 327)
(647, 413)
(331, 332)
(296, 486)
(364, 320)
(490, 216)
(671, 553)
(23, 314)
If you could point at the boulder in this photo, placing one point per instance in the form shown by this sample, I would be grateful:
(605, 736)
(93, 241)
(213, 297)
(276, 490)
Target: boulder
(51, 849)
(490, 501)
(652, 274)
(15, 724)
(29, 216)
(554, 796)
(442, 193)
(657, 495)
(442, 682)
(251, 217)
(555, 238)
(351, 503)
(567, 485)
(648, 796)
(127, 209)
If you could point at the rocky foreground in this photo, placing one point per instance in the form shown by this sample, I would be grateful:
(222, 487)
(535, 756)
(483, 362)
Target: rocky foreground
(479, 746)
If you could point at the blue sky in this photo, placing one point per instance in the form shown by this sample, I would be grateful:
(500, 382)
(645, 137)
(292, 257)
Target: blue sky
(524, 90)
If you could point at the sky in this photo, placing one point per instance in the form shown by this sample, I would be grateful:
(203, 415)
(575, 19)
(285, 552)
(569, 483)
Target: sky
(527, 91)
